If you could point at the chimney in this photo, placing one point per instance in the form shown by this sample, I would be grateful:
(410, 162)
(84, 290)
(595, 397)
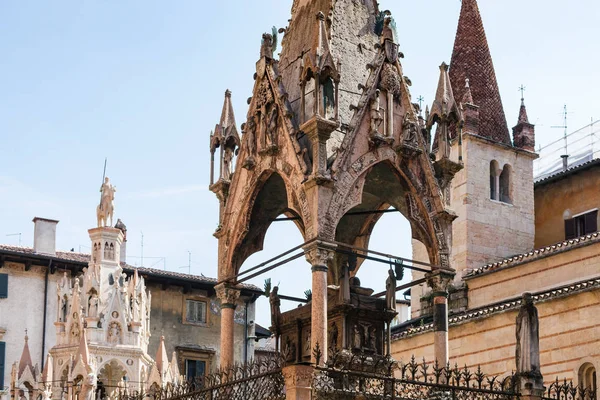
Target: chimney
(565, 160)
(44, 236)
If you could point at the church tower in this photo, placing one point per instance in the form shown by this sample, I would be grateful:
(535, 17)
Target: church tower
(493, 194)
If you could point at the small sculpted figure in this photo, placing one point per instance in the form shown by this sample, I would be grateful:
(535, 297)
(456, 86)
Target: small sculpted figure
(528, 341)
(105, 209)
(390, 290)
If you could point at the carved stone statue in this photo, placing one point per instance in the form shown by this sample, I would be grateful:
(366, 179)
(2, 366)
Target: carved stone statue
(333, 337)
(93, 306)
(88, 388)
(227, 161)
(47, 392)
(272, 125)
(250, 136)
(376, 117)
(528, 341)
(390, 290)
(387, 33)
(114, 333)
(356, 340)
(63, 309)
(409, 131)
(105, 209)
(275, 302)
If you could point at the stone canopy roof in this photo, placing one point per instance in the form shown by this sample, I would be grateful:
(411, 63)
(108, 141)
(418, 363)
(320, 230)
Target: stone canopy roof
(83, 259)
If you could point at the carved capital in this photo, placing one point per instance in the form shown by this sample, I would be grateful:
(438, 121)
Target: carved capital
(227, 294)
(439, 281)
(319, 255)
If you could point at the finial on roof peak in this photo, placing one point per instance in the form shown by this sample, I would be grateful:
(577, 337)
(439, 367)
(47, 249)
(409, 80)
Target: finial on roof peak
(227, 93)
(468, 96)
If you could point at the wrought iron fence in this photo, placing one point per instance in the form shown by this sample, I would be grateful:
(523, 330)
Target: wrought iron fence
(367, 378)
(258, 380)
(566, 390)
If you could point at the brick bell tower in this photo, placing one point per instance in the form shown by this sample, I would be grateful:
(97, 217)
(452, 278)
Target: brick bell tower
(493, 195)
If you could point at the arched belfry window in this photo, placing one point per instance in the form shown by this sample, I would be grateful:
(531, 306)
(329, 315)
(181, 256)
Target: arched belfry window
(494, 180)
(505, 184)
(587, 378)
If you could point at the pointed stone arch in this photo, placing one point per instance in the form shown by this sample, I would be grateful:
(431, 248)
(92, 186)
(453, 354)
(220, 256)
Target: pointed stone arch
(271, 196)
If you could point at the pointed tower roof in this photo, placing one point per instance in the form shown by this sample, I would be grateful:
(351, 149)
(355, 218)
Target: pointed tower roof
(471, 59)
(523, 119)
(25, 360)
(227, 123)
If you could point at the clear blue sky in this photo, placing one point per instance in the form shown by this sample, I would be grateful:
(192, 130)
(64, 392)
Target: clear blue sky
(142, 82)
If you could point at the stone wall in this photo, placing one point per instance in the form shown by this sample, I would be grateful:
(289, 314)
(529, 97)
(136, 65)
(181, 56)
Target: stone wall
(567, 197)
(488, 230)
(168, 319)
(569, 337)
(23, 309)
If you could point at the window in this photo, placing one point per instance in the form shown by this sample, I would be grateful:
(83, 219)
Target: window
(504, 183)
(587, 378)
(3, 286)
(194, 368)
(500, 182)
(581, 224)
(195, 311)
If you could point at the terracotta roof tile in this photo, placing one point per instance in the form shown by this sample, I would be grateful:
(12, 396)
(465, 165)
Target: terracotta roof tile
(471, 59)
(84, 258)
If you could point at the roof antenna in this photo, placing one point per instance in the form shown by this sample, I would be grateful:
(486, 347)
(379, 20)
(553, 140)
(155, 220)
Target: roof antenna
(565, 156)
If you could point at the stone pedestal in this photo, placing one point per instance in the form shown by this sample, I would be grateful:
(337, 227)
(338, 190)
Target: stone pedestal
(531, 386)
(228, 296)
(439, 281)
(92, 322)
(298, 380)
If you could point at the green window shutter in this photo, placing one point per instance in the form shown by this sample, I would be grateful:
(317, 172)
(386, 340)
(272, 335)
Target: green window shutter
(3, 286)
(2, 355)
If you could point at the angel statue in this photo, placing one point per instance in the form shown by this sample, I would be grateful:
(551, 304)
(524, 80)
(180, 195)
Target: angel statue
(268, 44)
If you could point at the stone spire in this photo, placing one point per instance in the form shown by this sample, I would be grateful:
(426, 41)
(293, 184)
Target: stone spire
(162, 361)
(471, 59)
(227, 121)
(444, 112)
(47, 373)
(83, 354)
(25, 360)
(467, 96)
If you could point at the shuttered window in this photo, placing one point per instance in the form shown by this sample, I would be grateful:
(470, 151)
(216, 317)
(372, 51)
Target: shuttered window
(581, 225)
(3, 286)
(2, 362)
(195, 311)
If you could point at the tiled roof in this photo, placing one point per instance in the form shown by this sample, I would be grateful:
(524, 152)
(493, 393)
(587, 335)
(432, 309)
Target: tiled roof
(471, 59)
(537, 254)
(506, 305)
(571, 170)
(84, 258)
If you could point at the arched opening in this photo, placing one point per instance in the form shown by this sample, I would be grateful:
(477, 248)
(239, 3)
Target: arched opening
(111, 377)
(381, 222)
(270, 202)
(505, 184)
(587, 378)
(494, 180)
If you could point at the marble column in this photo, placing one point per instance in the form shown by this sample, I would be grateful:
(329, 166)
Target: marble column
(439, 280)
(228, 295)
(319, 257)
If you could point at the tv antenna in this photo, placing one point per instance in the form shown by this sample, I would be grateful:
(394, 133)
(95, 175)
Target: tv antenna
(16, 234)
(189, 266)
(564, 126)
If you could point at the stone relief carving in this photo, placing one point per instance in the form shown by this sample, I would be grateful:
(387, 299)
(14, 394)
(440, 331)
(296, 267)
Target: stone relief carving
(114, 333)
